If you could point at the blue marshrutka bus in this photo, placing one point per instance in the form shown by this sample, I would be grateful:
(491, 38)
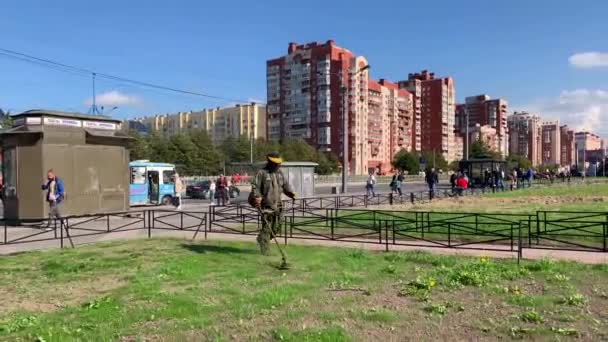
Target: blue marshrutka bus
(151, 183)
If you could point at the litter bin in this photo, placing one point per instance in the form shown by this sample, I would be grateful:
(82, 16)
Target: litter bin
(334, 190)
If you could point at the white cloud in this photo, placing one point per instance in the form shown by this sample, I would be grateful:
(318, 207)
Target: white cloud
(581, 109)
(589, 59)
(115, 98)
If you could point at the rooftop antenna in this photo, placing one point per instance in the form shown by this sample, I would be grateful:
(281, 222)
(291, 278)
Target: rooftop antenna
(94, 110)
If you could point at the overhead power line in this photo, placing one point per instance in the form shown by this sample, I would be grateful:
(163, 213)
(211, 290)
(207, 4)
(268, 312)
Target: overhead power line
(90, 73)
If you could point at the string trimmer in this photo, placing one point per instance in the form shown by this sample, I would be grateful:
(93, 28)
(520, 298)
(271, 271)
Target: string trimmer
(284, 265)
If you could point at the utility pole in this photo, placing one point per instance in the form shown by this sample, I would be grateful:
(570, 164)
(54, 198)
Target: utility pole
(94, 110)
(344, 135)
(251, 148)
(466, 134)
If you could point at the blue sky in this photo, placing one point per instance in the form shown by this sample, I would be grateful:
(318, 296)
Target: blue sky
(518, 50)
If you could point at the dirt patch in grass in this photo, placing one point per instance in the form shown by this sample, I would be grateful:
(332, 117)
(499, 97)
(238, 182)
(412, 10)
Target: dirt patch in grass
(48, 297)
(484, 203)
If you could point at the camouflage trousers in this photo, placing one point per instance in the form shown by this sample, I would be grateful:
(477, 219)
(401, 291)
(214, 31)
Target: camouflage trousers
(271, 224)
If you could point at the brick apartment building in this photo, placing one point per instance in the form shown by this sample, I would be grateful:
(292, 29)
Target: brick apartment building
(305, 99)
(551, 143)
(485, 111)
(585, 143)
(525, 136)
(390, 114)
(434, 107)
(567, 146)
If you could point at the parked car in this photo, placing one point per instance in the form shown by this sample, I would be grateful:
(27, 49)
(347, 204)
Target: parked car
(198, 190)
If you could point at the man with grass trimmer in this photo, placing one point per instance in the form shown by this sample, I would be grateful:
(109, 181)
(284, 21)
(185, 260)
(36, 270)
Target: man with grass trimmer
(266, 189)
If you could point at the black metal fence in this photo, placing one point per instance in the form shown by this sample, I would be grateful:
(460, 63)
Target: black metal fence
(344, 219)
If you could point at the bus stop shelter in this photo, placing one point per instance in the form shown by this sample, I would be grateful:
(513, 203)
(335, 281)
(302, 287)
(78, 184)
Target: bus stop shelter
(479, 169)
(87, 152)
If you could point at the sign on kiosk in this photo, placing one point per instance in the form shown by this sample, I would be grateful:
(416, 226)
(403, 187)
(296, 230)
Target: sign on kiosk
(99, 125)
(62, 122)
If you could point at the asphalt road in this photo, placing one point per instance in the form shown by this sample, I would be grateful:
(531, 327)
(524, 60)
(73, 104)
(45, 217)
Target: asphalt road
(322, 190)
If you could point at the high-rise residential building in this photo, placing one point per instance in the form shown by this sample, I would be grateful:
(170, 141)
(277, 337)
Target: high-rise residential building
(525, 136)
(551, 143)
(390, 117)
(585, 142)
(486, 133)
(483, 110)
(220, 123)
(567, 148)
(433, 114)
(308, 90)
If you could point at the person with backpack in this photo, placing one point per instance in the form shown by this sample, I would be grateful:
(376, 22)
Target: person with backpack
(55, 194)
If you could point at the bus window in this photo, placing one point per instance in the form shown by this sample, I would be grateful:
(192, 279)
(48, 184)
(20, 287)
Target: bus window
(138, 175)
(167, 176)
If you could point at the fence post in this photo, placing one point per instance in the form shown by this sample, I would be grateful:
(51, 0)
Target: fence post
(151, 219)
(108, 222)
(181, 220)
(512, 242)
(412, 197)
(61, 235)
(449, 234)
(529, 230)
(285, 229)
(6, 233)
(520, 247)
(332, 223)
(605, 232)
(394, 241)
(206, 224)
(386, 235)
(240, 211)
(390, 198)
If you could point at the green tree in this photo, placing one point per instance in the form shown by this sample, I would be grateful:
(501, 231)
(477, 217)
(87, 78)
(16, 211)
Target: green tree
(454, 166)
(208, 159)
(328, 163)
(138, 147)
(434, 160)
(159, 148)
(479, 149)
(183, 154)
(5, 119)
(517, 161)
(406, 161)
(298, 149)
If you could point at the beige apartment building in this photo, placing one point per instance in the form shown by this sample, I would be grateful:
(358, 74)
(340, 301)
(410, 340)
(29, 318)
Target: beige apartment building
(220, 123)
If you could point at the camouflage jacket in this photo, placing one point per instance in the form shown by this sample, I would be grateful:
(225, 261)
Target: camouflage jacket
(269, 185)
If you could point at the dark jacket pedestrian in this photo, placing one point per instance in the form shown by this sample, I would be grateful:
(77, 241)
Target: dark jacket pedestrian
(266, 189)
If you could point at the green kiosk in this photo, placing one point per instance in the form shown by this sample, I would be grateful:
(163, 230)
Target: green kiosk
(87, 152)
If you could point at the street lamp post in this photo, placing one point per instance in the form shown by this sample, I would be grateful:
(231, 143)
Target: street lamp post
(466, 134)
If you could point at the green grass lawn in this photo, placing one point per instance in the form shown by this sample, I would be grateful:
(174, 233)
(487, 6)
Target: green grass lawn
(176, 290)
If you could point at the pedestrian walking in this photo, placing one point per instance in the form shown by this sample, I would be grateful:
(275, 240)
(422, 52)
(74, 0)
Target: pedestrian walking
(222, 189)
(370, 184)
(453, 179)
(461, 184)
(400, 179)
(530, 176)
(178, 187)
(55, 194)
(212, 189)
(432, 179)
(393, 184)
(266, 189)
(514, 179)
